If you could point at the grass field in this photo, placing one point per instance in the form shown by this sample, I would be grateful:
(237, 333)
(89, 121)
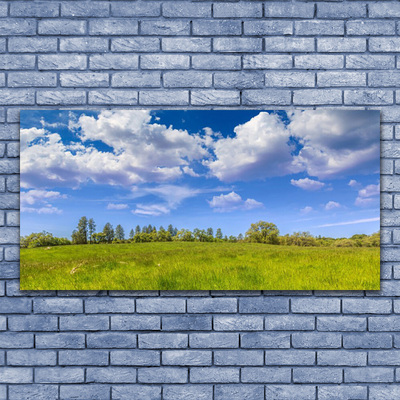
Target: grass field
(199, 266)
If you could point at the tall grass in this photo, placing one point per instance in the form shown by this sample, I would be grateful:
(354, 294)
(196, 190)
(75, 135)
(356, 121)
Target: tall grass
(199, 266)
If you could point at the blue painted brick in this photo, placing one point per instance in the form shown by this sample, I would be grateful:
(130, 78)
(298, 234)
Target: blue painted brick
(214, 340)
(186, 357)
(179, 9)
(57, 306)
(387, 44)
(185, 79)
(269, 27)
(324, 306)
(216, 27)
(317, 27)
(193, 45)
(19, 26)
(368, 374)
(113, 27)
(366, 306)
(237, 45)
(110, 340)
(316, 340)
(382, 10)
(135, 44)
(289, 323)
(290, 357)
(187, 392)
(61, 27)
(111, 375)
(135, 322)
(216, 62)
(165, 28)
(16, 375)
(134, 9)
(136, 392)
(288, 10)
(237, 10)
(371, 62)
(84, 79)
(317, 375)
(162, 375)
(65, 97)
(341, 45)
(214, 97)
(341, 11)
(84, 322)
(163, 340)
(289, 392)
(137, 79)
(156, 98)
(163, 306)
(238, 357)
(32, 79)
(289, 44)
(32, 44)
(342, 78)
(342, 358)
(34, 9)
(212, 305)
(83, 357)
(113, 61)
(93, 391)
(368, 97)
(367, 341)
(32, 323)
(164, 61)
(214, 375)
(341, 323)
(342, 392)
(83, 44)
(115, 305)
(263, 305)
(386, 323)
(187, 323)
(10, 340)
(62, 61)
(239, 392)
(37, 392)
(365, 27)
(60, 375)
(135, 357)
(240, 323)
(15, 305)
(262, 96)
(262, 340)
(384, 357)
(17, 61)
(266, 375)
(31, 357)
(85, 9)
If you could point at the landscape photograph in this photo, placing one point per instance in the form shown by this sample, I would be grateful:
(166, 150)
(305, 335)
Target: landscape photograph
(200, 200)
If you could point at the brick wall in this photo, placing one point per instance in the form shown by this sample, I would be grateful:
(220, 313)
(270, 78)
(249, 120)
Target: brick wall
(199, 345)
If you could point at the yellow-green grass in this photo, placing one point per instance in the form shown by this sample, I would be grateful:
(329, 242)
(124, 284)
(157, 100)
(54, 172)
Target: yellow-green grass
(199, 266)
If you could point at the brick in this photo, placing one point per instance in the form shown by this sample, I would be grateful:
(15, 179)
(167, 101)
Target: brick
(239, 392)
(242, 323)
(187, 323)
(382, 10)
(61, 61)
(136, 392)
(194, 45)
(366, 306)
(317, 375)
(289, 44)
(31, 357)
(342, 358)
(263, 305)
(84, 79)
(59, 375)
(83, 357)
(176, 97)
(290, 357)
(341, 11)
(165, 28)
(289, 323)
(266, 340)
(15, 305)
(16, 375)
(341, 323)
(342, 78)
(384, 357)
(162, 375)
(316, 27)
(135, 44)
(135, 357)
(186, 357)
(9, 235)
(84, 44)
(179, 9)
(64, 97)
(37, 9)
(216, 27)
(214, 340)
(266, 375)
(57, 306)
(61, 27)
(215, 97)
(110, 375)
(341, 45)
(325, 306)
(370, 375)
(367, 341)
(238, 357)
(18, 26)
(238, 10)
(32, 45)
(289, 79)
(113, 61)
(187, 392)
(365, 27)
(17, 61)
(113, 27)
(214, 375)
(342, 392)
(290, 392)
(84, 323)
(85, 9)
(111, 340)
(135, 322)
(262, 96)
(386, 323)
(13, 184)
(32, 323)
(16, 340)
(387, 44)
(320, 340)
(288, 10)
(368, 97)
(9, 200)
(163, 340)
(187, 79)
(268, 27)
(164, 61)
(212, 305)
(319, 61)
(129, 9)
(137, 79)
(98, 392)
(105, 305)
(216, 62)
(371, 61)
(237, 45)
(37, 392)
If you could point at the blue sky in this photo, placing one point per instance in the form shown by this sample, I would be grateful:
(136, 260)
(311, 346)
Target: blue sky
(315, 171)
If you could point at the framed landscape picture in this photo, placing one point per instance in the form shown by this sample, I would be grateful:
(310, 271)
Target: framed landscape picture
(200, 200)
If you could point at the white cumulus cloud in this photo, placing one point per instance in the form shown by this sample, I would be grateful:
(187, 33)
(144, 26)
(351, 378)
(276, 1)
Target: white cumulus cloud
(331, 205)
(367, 195)
(38, 201)
(307, 184)
(116, 206)
(306, 210)
(231, 202)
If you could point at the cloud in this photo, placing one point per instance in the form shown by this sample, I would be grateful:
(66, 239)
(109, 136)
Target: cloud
(357, 221)
(37, 201)
(141, 151)
(368, 195)
(153, 210)
(189, 171)
(259, 149)
(307, 184)
(232, 202)
(113, 206)
(306, 210)
(336, 142)
(353, 183)
(331, 205)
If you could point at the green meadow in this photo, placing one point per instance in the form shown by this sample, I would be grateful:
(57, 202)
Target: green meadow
(199, 266)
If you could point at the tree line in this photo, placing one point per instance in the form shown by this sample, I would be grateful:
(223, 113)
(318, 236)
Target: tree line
(260, 232)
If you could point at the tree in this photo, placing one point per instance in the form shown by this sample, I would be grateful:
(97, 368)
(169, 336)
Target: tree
(263, 232)
(170, 229)
(218, 234)
(137, 230)
(210, 232)
(108, 232)
(119, 232)
(240, 237)
(131, 234)
(91, 228)
(79, 236)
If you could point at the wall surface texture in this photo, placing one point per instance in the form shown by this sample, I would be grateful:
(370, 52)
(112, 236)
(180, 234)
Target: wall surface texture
(199, 345)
